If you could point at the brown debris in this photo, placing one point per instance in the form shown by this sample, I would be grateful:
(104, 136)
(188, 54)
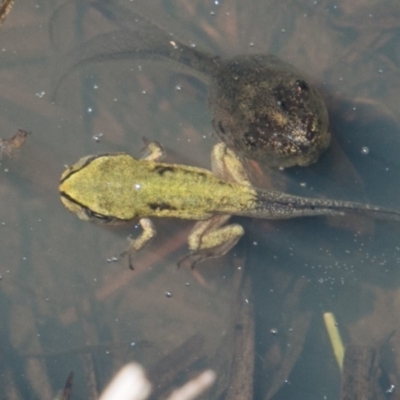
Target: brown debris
(8, 145)
(68, 387)
(5, 8)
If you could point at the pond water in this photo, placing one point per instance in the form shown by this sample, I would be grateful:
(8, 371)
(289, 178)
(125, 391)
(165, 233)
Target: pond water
(68, 305)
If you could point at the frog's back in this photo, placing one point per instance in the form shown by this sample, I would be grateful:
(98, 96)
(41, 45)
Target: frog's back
(171, 190)
(120, 187)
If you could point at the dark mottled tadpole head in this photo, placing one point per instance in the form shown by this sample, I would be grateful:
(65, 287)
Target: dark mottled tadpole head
(267, 111)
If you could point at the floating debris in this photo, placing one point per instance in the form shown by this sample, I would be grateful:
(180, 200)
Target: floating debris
(8, 145)
(335, 338)
(66, 393)
(5, 8)
(131, 383)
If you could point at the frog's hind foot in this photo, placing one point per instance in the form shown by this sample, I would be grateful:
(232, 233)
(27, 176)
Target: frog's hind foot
(211, 239)
(191, 260)
(194, 258)
(152, 150)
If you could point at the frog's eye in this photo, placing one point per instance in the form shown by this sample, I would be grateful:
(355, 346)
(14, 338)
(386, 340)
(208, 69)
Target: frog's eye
(302, 86)
(92, 215)
(284, 105)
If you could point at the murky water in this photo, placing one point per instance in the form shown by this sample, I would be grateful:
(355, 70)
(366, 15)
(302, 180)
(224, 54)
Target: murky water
(66, 305)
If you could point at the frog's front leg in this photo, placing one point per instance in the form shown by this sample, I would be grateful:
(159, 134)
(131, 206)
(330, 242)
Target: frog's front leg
(154, 152)
(210, 239)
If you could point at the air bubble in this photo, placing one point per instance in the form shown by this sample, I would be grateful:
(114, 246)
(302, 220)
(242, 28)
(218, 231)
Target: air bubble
(364, 150)
(97, 138)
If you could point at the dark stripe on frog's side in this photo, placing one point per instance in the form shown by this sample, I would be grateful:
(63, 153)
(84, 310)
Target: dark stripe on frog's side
(63, 194)
(162, 169)
(99, 217)
(161, 206)
(72, 200)
(85, 164)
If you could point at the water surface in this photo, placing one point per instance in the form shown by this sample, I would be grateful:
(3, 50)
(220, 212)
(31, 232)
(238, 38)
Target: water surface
(66, 307)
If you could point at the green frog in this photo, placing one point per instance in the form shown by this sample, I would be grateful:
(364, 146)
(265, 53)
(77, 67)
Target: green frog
(116, 188)
(261, 106)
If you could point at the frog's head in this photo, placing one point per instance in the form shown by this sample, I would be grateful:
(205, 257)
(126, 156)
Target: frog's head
(86, 189)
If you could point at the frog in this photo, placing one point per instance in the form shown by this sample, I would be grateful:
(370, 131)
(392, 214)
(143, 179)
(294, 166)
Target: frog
(116, 188)
(261, 106)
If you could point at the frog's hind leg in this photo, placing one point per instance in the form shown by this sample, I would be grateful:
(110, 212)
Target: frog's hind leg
(209, 239)
(226, 165)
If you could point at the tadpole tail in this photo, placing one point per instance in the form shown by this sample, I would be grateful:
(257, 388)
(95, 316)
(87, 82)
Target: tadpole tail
(143, 40)
(278, 205)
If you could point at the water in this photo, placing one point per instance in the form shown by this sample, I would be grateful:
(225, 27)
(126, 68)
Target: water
(67, 305)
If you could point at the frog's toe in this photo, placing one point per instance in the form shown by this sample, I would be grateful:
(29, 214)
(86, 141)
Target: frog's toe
(130, 254)
(191, 260)
(201, 255)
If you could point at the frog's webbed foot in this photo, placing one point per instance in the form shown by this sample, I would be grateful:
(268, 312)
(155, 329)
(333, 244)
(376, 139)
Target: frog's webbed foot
(141, 241)
(209, 239)
(153, 151)
(226, 165)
